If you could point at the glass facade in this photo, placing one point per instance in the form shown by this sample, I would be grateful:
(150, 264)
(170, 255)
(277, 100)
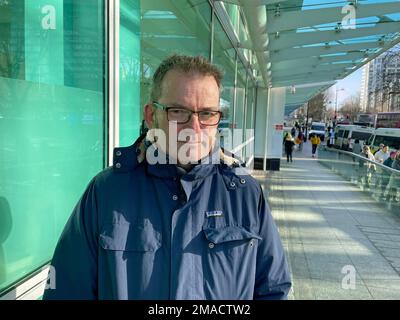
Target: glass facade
(52, 115)
(224, 56)
(54, 109)
(168, 27)
(129, 73)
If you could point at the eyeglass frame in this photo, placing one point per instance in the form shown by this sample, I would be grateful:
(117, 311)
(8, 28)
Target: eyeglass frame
(166, 108)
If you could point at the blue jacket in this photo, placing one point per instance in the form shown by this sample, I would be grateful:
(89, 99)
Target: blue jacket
(144, 231)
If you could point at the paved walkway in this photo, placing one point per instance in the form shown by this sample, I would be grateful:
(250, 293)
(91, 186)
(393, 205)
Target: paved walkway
(340, 243)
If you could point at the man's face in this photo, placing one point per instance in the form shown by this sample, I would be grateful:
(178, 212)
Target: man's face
(385, 149)
(193, 92)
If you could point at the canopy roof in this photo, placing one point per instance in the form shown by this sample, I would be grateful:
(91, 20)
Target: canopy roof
(317, 42)
(308, 44)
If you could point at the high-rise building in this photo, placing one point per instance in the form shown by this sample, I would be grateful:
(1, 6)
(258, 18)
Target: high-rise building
(384, 82)
(364, 88)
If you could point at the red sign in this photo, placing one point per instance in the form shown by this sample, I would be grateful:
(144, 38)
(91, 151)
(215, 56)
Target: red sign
(279, 127)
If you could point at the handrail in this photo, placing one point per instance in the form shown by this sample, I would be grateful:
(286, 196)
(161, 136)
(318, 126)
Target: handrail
(242, 145)
(364, 159)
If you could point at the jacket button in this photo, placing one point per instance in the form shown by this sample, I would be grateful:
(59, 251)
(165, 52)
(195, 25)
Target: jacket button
(211, 245)
(232, 185)
(118, 165)
(118, 153)
(174, 197)
(251, 243)
(242, 181)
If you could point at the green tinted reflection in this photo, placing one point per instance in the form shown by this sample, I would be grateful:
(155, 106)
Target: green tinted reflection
(51, 123)
(171, 26)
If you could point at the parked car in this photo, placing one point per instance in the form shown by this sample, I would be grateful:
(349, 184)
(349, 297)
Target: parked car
(317, 128)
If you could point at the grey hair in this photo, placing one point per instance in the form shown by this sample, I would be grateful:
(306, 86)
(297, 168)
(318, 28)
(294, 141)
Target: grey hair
(185, 64)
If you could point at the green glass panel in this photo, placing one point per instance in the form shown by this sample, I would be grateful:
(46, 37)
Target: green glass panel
(224, 57)
(51, 123)
(171, 26)
(129, 99)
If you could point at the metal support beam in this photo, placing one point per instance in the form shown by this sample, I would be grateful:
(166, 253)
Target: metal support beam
(256, 18)
(293, 39)
(296, 53)
(306, 71)
(292, 20)
(315, 61)
(304, 80)
(254, 3)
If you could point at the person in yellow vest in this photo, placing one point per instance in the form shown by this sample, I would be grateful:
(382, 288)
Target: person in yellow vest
(315, 141)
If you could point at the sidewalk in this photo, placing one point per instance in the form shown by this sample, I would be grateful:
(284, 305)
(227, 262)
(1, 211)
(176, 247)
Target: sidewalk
(340, 244)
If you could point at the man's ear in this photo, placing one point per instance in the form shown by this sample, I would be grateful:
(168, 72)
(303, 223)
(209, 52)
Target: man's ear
(149, 115)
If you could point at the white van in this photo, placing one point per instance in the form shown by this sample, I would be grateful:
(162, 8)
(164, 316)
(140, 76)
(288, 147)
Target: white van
(346, 135)
(317, 128)
(388, 136)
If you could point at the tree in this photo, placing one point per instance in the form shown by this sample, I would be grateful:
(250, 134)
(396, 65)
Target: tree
(351, 107)
(317, 107)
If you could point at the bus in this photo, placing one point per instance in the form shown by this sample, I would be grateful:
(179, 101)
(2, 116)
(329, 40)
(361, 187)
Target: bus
(387, 120)
(365, 119)
(388, 136)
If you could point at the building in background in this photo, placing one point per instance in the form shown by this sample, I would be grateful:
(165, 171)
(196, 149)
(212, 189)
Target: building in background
(364, 88)
(384, 82)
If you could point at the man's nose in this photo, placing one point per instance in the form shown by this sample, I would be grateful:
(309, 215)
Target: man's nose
(194, 122)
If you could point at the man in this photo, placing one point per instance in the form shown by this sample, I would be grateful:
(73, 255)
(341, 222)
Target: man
(382, 154)
(381, 145)
(357, 148)
(331, 140)
(184, 228)
(300, 138)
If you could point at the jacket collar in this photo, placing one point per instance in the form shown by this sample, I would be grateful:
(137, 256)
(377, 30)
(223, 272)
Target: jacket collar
(127, 158)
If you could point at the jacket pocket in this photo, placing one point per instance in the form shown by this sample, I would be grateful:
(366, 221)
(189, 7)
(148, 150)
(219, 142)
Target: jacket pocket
(127, 237)
(229, 261)
(229, 234)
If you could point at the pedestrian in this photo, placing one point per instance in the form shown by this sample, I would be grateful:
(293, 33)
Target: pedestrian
(315, 141)
(331, 140)
(381, 145)
(382, 154)
(357, 147)
(289, 145)
(388, 162)
(293, 131)
(393, 186)
(386, 175)
(368, 168)
(285, 134)
(174, 217)
(300, 138)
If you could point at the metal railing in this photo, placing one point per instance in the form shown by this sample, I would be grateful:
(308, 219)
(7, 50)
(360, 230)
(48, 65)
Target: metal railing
(379, 181)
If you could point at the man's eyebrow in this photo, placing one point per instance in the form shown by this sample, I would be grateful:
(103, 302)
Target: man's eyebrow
(177, 105)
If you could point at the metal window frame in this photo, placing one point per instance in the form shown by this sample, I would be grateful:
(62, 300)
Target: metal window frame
(113, 31)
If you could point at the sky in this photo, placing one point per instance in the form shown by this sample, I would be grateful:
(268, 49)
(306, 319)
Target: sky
(351, 85)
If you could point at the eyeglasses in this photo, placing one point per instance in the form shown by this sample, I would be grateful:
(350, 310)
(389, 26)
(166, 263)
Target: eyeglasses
(182, 115)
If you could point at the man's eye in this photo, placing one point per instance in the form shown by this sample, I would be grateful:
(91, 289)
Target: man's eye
(208, 113)
(177, 111)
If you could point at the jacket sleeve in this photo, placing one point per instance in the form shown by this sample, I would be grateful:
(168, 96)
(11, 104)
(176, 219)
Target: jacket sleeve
(272, 273)
(75, 258)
